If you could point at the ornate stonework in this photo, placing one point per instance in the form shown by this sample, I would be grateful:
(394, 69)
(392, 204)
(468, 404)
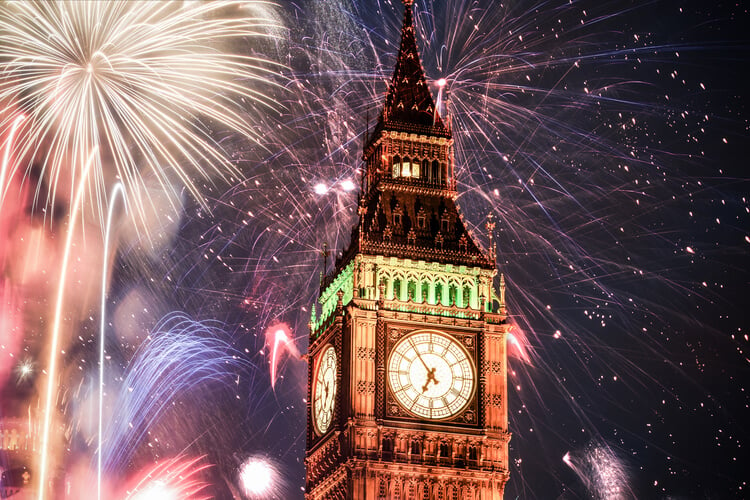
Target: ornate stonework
(412, 266)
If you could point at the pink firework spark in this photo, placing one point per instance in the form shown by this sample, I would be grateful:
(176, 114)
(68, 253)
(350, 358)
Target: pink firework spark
(176, 478)
(279, 341)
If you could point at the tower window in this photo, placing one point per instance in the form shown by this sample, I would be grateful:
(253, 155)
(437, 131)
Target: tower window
(406, 168)
(415, 448)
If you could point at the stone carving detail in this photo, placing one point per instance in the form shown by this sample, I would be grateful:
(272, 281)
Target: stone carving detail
(492, 366)
(469, 416)
(494, 399)
(365, 386)
(365, 353)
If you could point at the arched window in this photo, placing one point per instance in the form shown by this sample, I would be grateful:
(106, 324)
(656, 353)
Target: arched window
(438, 293)
(425, 168)
(415, 168)
(396, 289)
(415, 448)
(435, 172)
(425, 292)
(411, 290)
(396, 166)
(467, 296)
(452, 293)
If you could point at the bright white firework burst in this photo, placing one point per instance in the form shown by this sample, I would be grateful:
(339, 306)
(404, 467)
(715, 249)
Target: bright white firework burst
(140, 82)
(257, 477)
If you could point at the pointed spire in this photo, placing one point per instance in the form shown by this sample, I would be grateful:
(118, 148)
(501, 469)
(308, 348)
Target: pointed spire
(409, 99)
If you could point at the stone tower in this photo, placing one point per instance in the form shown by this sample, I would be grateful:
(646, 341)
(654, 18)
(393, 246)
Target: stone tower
(407, 360)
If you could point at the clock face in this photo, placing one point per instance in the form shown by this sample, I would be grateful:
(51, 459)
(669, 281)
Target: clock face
(324, 394)
(431, 375)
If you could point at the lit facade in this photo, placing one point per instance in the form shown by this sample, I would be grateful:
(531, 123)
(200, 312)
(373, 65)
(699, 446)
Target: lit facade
(407, 359)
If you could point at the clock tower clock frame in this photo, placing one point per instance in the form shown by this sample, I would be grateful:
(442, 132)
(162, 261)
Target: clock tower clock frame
(407, 359)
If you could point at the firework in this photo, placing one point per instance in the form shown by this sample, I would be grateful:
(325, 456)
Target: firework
(180, 356)
(279, 342)
(144, 83)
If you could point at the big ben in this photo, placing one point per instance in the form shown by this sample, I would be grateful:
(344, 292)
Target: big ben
(407, 356)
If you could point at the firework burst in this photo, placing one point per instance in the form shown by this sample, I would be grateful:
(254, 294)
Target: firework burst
(144, 83)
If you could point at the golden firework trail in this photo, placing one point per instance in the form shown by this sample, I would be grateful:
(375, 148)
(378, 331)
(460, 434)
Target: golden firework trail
(147, 83)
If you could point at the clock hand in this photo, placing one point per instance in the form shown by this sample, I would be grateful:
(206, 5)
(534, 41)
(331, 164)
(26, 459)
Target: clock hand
(419, 356)
(430, 376)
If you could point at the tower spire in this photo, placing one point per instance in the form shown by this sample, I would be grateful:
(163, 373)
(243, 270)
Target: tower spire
(409, 100)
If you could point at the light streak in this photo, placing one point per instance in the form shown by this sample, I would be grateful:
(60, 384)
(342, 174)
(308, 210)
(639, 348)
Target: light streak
(48, 407)
(117, 191)
(279, 341)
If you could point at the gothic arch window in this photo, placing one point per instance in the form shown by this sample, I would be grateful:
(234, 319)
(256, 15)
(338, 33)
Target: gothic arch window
(396, 289)
(467, 296)
(425, 168)
(425, 292)
(421, 219)
(411, 290)
(452, 294)
(444, 223)
(438, 293)
(415, 448)
(415, 168)
(444, 450)
(473, 453)
(435, 172)
(387, 447)
(396, 166)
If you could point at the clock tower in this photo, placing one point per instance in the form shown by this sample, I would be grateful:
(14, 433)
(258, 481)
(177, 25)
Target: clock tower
(407, 359)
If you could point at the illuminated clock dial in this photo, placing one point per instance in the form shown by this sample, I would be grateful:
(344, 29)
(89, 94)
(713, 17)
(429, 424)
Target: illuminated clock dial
(431, 375)
(324, 394)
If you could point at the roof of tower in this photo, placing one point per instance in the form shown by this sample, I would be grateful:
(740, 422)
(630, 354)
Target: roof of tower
(408, 100)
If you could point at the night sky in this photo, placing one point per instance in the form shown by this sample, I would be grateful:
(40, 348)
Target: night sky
(610, 140)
